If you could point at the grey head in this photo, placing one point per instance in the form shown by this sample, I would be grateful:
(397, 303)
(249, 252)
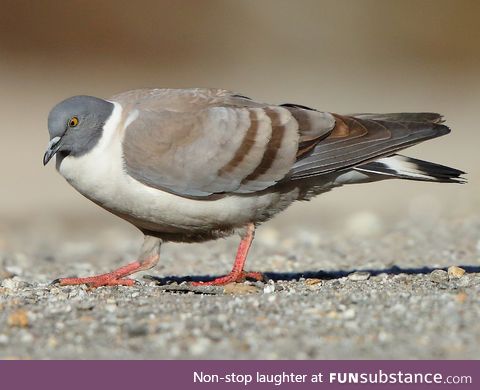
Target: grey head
(76, 125)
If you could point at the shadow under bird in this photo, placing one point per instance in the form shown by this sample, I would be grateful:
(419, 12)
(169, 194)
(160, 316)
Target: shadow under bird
(191, 165)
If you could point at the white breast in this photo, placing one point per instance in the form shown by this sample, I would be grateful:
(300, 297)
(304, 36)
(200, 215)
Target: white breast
(100, 176)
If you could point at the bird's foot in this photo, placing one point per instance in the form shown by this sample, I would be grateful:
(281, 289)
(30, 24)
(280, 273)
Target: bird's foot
(232, 277)
(114, 278)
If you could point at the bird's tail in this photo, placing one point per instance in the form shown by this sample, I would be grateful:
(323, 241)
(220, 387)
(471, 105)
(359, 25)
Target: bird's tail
(404, 167)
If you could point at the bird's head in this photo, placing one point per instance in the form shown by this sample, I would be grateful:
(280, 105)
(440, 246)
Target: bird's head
(75, 125)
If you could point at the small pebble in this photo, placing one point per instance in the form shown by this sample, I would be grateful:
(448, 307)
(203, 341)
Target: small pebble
(26, 338)
(384, 336)
(4, 339)
(312, 281)
(18, 318)
(52, 342)
(5, 273)
(455, 272)
(359, 276)
(137, 330)
(200, 346)
(461, 297)
(438, 276)
(239, 289)
(14, 283)
(349, 314)
(110, 308)
(464, 281)
(269, 288)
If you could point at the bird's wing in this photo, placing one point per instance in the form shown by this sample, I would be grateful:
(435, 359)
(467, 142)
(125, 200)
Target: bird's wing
(202, 142)
(365, 137)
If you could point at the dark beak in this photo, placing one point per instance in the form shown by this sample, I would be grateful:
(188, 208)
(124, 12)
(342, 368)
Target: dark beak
(52, 148)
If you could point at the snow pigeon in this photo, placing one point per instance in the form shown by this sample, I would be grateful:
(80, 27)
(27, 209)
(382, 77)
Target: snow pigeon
(191, 165)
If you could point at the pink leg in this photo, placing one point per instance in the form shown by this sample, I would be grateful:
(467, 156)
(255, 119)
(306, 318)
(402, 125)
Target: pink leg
(149, 258)
(114, 278)
(237, 274)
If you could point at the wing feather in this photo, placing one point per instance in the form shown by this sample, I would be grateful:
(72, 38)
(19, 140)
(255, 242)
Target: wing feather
(219, 143)
(366, 137)
(199, 142)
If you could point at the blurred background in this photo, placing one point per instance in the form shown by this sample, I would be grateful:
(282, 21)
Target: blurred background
(341, 55)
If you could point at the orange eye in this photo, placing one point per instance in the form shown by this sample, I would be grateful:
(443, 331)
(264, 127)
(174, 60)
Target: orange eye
(73, 121)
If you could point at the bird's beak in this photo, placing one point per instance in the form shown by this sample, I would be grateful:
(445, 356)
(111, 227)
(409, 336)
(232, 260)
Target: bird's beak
(52, 148)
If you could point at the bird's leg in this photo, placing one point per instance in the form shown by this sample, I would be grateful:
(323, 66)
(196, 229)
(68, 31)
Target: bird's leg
(150, 254)
(237, 274)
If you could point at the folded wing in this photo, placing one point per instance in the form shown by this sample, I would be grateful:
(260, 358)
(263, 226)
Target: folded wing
(215, 144)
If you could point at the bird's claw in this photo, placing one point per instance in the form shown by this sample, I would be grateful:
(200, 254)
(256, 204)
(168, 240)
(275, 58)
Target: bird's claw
(233, 277)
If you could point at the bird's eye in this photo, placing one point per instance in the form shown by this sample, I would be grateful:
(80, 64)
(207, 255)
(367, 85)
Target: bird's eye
(73, 121)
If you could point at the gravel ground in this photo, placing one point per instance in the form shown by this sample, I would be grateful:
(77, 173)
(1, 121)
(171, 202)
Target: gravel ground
(381, 294)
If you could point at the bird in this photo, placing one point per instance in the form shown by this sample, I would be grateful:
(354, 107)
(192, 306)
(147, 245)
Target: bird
(199, 164)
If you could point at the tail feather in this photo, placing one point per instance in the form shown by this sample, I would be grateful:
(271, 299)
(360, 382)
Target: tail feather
(356, 140)
(431, 117)
(412, 169)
